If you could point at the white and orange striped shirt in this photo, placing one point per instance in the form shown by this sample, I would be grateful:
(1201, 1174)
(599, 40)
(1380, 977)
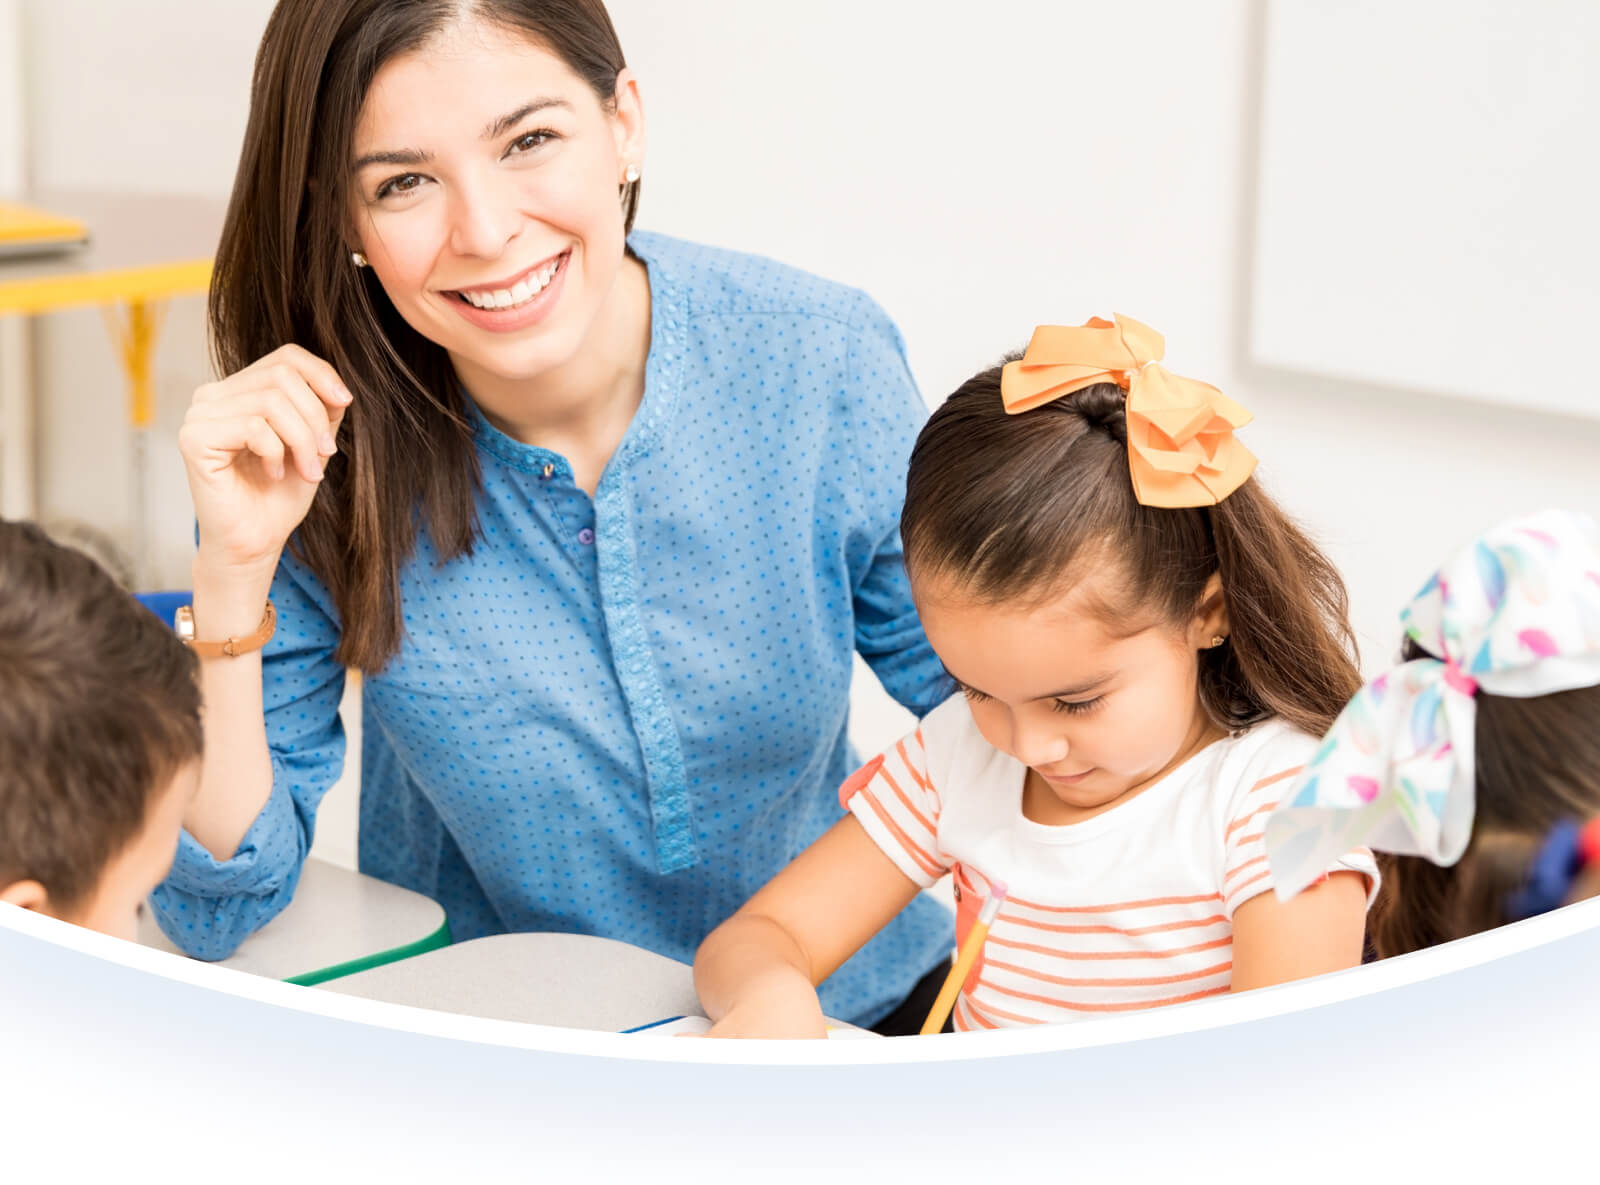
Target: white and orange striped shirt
(1130, 909)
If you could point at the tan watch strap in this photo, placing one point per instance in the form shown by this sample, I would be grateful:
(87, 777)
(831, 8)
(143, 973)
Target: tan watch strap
(228, 647)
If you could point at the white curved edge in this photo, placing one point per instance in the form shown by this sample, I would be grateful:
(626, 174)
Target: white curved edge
(1215, 1013)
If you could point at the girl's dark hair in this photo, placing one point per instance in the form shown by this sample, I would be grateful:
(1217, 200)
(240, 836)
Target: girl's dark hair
(1003, 505)
(1537, 762)
(283, 275)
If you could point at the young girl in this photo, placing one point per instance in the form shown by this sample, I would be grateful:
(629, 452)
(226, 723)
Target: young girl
(1475, 765)
(1147, 649)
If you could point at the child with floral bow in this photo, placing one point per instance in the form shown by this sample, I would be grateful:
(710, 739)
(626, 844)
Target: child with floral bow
(1147, 650)
(1474, 766)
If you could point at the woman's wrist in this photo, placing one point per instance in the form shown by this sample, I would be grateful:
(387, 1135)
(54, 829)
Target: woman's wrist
(229, 599)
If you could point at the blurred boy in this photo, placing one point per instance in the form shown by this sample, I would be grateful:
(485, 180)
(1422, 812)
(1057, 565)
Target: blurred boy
(100, 737)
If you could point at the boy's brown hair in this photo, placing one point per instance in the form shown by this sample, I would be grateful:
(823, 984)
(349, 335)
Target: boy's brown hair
(99, 710)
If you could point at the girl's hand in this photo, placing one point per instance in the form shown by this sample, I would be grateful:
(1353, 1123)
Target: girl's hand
(254, 446)
(779, 1011)
(757, 972)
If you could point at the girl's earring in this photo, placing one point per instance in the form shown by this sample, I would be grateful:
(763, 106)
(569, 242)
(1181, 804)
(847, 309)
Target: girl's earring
(630, 174)
(1217, 640)
(359, 259)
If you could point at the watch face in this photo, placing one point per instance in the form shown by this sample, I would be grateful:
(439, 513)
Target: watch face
(183, 623)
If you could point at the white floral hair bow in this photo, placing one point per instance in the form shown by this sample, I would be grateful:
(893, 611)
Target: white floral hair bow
(1516, 613)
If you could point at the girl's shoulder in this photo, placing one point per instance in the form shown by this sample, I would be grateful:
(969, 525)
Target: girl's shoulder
(1263, 759)
(718, 280)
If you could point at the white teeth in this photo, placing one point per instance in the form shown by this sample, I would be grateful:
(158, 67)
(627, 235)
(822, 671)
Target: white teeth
(519, 294)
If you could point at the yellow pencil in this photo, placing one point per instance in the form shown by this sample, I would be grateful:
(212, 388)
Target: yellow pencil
(964, 960)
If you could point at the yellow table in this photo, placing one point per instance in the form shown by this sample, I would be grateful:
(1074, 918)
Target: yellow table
(144, 250)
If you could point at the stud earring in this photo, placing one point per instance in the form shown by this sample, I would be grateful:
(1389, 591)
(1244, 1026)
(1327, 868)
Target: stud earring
(631, 174)
(359, 259)
(1217, 640)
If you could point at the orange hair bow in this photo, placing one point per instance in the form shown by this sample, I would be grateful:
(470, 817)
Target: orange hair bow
(1181, 448)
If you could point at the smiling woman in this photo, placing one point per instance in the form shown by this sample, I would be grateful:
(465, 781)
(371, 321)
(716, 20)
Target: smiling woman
(522, 466)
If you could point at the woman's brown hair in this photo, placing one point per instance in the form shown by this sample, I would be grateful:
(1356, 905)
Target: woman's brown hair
(283, 275)
(1003, 505)
(1536, 763)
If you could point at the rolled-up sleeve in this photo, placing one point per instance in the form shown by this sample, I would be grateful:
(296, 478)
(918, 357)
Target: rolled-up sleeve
(208, 907)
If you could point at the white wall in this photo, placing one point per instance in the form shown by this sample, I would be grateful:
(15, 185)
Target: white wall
(1452, 254)
(978, 169)
(12, 143)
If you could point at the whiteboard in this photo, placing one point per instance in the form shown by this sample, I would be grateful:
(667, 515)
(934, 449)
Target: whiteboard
(1427, 203)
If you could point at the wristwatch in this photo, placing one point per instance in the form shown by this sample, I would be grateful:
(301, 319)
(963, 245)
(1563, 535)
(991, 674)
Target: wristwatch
(183, 622)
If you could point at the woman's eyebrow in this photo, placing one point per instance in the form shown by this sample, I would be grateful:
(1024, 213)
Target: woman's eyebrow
(498, 127)
(507, 122)
(401, 156)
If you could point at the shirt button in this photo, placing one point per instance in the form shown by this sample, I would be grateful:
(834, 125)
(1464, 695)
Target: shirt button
(586, 536)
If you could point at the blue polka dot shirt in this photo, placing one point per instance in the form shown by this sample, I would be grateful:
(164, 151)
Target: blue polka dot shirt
(622, 715)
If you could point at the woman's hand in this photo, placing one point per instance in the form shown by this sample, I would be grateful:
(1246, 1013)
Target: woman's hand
(255, 445)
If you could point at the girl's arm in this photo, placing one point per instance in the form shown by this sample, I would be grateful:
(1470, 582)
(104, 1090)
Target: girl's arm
(1316, 931)
(757, 973)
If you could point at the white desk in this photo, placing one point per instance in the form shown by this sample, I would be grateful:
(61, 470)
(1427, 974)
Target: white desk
(570, 980)
(340, 922)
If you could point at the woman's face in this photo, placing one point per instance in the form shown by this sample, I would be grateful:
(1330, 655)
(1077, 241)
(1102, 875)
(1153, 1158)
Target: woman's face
(486, 196)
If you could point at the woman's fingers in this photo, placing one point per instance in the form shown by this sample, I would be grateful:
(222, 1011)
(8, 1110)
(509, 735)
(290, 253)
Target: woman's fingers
(226, 437)
(264, 442)
(279, 412)
(289, 368)
(317, 375)
(316, 413)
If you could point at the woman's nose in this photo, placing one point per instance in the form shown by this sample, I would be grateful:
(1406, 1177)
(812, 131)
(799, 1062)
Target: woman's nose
(483, 219)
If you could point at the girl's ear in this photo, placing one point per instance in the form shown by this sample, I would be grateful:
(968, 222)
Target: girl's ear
(1212, 620)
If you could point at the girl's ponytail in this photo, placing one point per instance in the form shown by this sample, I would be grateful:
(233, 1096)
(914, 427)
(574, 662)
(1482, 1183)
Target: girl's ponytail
(1290, 648)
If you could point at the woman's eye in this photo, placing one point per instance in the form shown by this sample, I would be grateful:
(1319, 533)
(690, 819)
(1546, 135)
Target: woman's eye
(402, 184)
(528, 141)
(973, 694)
(1078, 707)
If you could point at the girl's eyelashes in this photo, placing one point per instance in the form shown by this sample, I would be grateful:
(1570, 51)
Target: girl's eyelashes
(1077, 707)
(1071, 707)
